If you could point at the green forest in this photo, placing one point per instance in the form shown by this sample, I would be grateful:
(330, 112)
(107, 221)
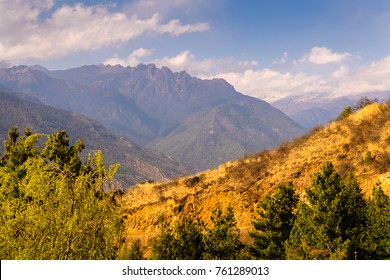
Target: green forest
(54, 205)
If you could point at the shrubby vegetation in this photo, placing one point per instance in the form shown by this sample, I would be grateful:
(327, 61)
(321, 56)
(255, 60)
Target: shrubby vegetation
(53, 206)
(362, 102)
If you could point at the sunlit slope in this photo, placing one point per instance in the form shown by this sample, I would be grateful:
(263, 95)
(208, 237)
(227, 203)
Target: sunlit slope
(359, 143)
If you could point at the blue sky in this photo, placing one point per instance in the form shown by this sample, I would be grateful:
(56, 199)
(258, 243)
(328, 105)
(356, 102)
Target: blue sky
(265, 48)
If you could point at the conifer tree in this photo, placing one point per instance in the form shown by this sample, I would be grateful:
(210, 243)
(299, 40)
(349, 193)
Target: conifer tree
(184, 242)
(376, 239)
(163, 247)
(222, 240)
(273, 226)
(136, 252)
(330, 222)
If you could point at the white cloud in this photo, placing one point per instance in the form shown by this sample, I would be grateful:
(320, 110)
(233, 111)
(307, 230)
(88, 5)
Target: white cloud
(69, 29)
(133, 59)
(271, 85)
(322, 55)
(341, 72)
(188, 62)
(372, 78)
(174, 27)
(146, 8)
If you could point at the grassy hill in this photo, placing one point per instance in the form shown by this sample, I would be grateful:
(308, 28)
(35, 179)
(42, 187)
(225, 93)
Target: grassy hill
(359, 143)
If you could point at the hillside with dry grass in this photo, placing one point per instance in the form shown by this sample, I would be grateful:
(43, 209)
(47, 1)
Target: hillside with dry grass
(359, 143)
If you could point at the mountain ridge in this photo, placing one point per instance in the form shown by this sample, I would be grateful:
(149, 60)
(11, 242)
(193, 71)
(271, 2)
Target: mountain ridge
(150, 104)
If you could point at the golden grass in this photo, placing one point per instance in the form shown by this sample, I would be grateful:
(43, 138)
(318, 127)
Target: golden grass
(243, 183)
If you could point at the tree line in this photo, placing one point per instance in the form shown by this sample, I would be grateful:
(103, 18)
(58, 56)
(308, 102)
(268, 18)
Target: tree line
(332, 221)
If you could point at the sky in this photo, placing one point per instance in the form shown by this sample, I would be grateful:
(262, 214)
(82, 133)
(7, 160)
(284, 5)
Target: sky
(265, 48)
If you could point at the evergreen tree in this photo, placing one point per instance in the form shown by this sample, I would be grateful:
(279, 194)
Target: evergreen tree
(51, 210)
(221, 241)
(345, 113)
(184, 242)
(376, 239)
(273, 226)
(136, 252)
(330, 223)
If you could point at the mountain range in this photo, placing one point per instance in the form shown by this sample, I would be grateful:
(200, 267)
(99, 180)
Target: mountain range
(200, 123)
(137, 163)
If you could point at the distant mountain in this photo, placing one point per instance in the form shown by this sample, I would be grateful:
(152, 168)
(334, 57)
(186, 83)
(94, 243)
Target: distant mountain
(227, 132)
(315, 109)
(137, 164)
(171, 112)
(111, 108)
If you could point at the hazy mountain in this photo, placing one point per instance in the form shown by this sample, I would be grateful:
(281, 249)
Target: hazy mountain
(164, 95)
(137, 164)
(227, 132)
(316, 109)
(111, 108)
(172, 112)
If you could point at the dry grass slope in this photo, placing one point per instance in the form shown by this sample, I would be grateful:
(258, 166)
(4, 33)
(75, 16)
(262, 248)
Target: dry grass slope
(359, 143)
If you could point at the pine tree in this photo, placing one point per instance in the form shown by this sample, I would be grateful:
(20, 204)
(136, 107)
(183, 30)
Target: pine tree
(221, 241)
(376, 239)
(184, 242)
(329, 224)
(136, 252)
(273, 226)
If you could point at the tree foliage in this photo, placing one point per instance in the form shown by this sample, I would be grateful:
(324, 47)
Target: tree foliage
(363, 102)
(190, 239)
(331, 221)
(52, 206)
(184, 242)
(222, 240)
(376, 240)
(136, 252)
(272, 228)
(345, 113)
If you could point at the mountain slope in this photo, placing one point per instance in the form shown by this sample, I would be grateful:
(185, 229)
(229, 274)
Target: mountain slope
(359, 143)
(137, 164)
(227, 132)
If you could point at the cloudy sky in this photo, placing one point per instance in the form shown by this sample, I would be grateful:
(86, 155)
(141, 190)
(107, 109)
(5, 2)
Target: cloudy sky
(264, 48)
